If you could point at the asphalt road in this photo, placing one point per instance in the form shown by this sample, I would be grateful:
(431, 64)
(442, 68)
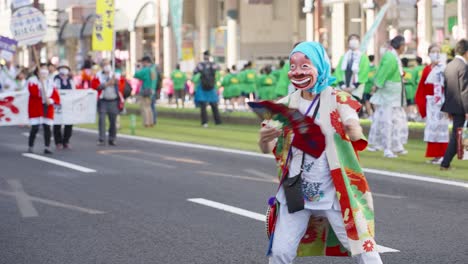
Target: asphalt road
(133, 207)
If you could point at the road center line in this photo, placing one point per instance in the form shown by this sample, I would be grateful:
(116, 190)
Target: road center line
(23, 200)
(59, 163)
(228, 208)
(219, 174)
(149, 162)
(260, 174)
(255, 216)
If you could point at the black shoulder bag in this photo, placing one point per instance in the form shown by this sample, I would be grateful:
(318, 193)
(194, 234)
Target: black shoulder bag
(293, 186)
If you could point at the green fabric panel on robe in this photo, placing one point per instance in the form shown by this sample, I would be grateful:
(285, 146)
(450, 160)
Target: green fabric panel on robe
(388, 70)
(409, 82)
(370, 79)
(348, 160)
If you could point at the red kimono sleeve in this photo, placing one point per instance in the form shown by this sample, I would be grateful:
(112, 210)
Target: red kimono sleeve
(422, 91)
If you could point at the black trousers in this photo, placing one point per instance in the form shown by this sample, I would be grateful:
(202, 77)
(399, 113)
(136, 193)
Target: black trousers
(458, 121)
(33, 133)
(204, 115)
(67, 133)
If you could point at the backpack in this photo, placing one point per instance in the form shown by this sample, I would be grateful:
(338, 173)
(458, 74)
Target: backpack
(207, 76)
(127, 90)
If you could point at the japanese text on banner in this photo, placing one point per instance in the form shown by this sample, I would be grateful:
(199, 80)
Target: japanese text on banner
(103, 31)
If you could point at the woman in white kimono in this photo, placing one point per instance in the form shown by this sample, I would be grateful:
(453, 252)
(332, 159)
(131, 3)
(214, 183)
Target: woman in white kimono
(429, 99)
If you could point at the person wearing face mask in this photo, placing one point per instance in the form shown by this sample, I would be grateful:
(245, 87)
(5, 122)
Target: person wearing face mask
(108, 103)
(429, 99)
(63, 81)
(389, 129)
(330, 182)
(43, 95)
(353, 69)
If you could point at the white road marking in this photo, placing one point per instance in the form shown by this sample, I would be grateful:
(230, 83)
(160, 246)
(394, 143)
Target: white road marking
(228, 208)
(259, 174)
(211, 173)
(416, 178)
(55, 203)
(23, 200)
(59, 163)
(269, 156)
(387, 195)
(255, 216)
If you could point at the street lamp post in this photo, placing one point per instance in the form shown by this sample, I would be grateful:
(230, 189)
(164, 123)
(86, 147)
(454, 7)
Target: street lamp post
(308, 9)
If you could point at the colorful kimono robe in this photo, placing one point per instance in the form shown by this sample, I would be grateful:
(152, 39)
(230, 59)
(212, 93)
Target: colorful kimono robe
(351, 186)
(429, 100)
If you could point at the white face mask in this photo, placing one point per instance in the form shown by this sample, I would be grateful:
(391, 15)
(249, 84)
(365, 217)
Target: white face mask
(63, 71)
(354, 44)
(44, 73)
(107, 68)
(434, 56)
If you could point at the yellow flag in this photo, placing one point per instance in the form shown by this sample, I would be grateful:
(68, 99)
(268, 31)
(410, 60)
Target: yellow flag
(103, 31)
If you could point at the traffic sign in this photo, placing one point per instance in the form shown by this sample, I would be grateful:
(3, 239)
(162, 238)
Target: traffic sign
(28, 26)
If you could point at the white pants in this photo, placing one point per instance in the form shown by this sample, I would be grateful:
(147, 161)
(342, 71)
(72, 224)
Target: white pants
(389, 128)
(290, 228)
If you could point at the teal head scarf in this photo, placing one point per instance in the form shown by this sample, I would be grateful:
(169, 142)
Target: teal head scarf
(319, 58)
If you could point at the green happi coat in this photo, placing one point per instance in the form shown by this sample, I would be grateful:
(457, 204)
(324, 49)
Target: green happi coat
(282, 81)
(363, 74)
(248, 79)
(388, 81)
(352, 190)
(231, 86)
(266, 87)
(409, 79)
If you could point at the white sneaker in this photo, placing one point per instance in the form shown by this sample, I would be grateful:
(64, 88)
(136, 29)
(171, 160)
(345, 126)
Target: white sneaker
(373, 149)
(402, 152)
(205, 125)
(390, 155)
(437, 161)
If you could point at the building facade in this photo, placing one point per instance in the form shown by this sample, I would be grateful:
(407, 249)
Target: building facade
(236, 31)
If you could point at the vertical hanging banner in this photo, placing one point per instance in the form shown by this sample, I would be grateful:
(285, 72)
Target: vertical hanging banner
(103, 30)
(176, 9)
(370, 33)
